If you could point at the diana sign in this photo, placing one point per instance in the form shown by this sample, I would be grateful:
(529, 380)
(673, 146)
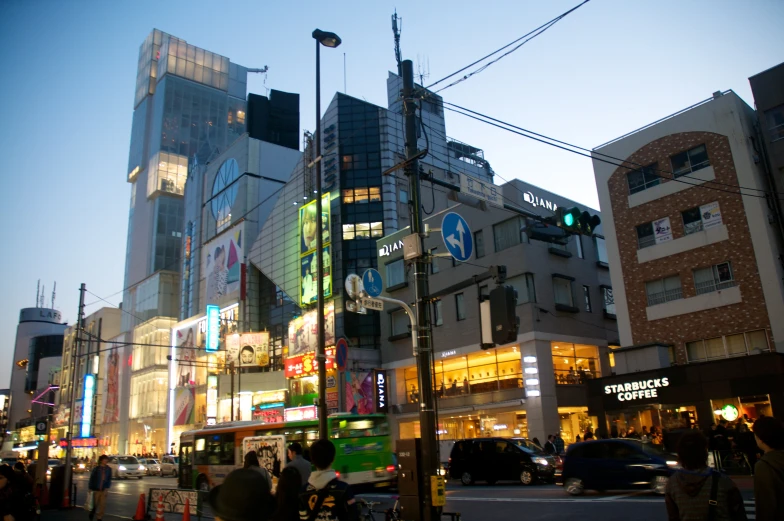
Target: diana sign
(387, 249)
(638, 389)
(380, 388)
(536, 201)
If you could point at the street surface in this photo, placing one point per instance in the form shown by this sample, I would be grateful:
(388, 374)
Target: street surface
(475, 503)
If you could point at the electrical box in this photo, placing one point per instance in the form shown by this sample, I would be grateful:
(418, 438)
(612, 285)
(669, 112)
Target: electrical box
(408, 475)
(412, 246)
(438, 491)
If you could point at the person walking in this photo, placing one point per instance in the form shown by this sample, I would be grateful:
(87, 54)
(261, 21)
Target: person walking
(323, 485)
(243, 496)
(15, 503)
(549, 446)
(99, 484)
(287, 495)
(696, 492)
(252, 462)
(769, 471)
(298, 462)
(559, 444)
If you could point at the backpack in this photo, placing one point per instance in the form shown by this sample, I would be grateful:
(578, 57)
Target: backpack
(327, 504)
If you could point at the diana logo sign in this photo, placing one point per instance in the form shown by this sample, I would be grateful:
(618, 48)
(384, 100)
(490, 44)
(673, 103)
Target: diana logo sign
(213, 328)
(536, 201)
(387, 249)
(637, 390)
(380, 389)
(87, 408)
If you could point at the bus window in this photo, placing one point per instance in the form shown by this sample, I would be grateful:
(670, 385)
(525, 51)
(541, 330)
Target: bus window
(227, 455)
(200, 451)
(185, 454)
(213, 449)
(359, 427)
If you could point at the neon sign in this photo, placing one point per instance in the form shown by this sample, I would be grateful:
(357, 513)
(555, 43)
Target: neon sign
(213, 328)
(87, 407)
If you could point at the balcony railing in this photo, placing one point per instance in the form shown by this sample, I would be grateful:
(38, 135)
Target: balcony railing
(664, 296)
(711, 285)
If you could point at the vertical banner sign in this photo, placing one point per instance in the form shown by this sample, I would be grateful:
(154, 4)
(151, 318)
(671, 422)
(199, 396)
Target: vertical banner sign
(213, 328)
(87, 408)
(212, 399)
(308, 228)
(662, 230)
(380, 390)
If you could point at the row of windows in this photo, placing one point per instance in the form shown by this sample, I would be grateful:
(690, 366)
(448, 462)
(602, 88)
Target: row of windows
(694, 220)
(362, 195)
(682, 164)
(740, 344)
(706, 280)
(363, 231)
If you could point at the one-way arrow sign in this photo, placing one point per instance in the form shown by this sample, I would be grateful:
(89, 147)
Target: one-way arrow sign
(457, 237)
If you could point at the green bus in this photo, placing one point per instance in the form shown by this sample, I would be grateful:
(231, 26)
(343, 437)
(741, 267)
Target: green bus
(363, 446)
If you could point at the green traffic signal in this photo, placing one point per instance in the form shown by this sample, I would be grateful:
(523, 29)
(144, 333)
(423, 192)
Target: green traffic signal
(573, 220)
(569, 219)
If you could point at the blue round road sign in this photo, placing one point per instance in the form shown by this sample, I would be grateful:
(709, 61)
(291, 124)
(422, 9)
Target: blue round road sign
(371, 280)
(341, 354)
(457, 236)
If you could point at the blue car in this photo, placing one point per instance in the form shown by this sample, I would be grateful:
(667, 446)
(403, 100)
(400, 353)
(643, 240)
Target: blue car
(616, 464)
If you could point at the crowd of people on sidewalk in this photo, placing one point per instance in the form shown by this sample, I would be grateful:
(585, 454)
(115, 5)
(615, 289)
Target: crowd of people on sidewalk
(17, 499)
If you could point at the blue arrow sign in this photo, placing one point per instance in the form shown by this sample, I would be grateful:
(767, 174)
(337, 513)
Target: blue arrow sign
(457, 237)
(371, 280)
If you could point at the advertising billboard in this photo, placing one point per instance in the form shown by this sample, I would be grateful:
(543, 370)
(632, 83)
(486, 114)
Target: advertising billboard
(303, 331)
(307, 364)
(185, 355)
(308, 228)
(184, 405)
(254, 349)
(221, 260)
(308, 222)
(111, 409)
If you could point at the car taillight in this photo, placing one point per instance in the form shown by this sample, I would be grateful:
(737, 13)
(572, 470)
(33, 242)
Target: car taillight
(337, 474)
(390, 468)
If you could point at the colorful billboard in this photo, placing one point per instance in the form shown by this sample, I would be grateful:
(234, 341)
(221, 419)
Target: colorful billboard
(254, 349)
(307, 364)
(111, 409)
(360, 395)
(308, 223)
(308, 238)
(221, 262)
(185, 355)
(184, 405)
(303, 331)
(309, 277)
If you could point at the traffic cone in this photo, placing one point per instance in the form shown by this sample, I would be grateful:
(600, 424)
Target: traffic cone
(141, 513)
(159, 512)
(186, 515)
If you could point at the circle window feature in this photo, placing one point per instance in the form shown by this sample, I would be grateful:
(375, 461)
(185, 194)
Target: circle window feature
(224, 191)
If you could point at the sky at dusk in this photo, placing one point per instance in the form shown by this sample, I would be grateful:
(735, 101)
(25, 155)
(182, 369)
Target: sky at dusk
(69, 72)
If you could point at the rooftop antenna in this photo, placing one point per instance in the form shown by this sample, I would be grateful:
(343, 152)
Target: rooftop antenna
(397, 26)
(423, 69)
(263, 71)
(41, 301)
(54, 294)
(38, 293)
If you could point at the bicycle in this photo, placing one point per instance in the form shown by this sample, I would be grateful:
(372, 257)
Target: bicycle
(390, 514)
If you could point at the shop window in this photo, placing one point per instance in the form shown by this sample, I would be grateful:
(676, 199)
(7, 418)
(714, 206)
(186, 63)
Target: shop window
(524, 284)
(396, 273)
(411, 379)
(574, 364)
(713, 278)
(645, 236)
(689, 161)
(601, 249)
(643, 178)
(663, 290)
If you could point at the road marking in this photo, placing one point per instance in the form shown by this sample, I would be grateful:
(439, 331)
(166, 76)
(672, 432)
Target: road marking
(551, 500)
(621, 496)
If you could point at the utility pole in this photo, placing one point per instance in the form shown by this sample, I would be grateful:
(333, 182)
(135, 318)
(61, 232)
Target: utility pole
(427, 417)
(69, 435)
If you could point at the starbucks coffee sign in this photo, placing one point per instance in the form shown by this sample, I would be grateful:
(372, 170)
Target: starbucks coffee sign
(637, 389)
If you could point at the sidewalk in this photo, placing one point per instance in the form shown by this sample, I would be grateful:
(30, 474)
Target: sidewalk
(80, 514)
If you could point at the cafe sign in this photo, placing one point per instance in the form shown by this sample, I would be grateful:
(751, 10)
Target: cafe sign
(638, 389)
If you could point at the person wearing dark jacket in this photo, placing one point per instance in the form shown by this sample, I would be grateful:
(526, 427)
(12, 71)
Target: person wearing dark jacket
(689, 490)
(13, 504)
(287, 495)
(769, 471)
(549, 446)
(99, 484)
(559, 444)
(326, 497)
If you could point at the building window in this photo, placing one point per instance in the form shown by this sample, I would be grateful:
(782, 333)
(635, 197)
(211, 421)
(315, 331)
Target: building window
(460, 306)
(507, 234)
(438, 318)
(433, 264)
(692, 220)
(645, 236)
(524, 284)
(663, 290)
(740, 344)
(713, 278)
(601, 249)
(609, 300)
(363, 231)
(403, 196)
(399, 322)
(562, 289)
(574, 364)
(362, 195)
(578, 241)
(643, 178)
(775, 117)
(689, 161)
(479, 243)
(396, 273)
(587, 298)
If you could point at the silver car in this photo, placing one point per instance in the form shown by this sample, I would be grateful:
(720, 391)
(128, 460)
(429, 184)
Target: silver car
(153, 466)
(126, 467)
(170, 465)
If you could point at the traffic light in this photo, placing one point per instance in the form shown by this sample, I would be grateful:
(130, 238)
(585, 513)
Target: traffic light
(503, 315)
(575, 221)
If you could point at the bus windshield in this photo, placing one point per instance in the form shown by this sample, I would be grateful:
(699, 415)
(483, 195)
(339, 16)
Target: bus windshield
(359, 427)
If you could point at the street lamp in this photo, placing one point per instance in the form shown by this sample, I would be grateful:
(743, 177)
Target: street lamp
(327, 40)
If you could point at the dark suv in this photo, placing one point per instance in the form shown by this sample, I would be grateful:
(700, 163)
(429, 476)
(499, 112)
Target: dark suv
(499, 459)
(616, 464)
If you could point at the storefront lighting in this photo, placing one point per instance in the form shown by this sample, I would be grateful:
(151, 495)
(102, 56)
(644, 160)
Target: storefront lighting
(529, 359)
(517, 432)
(717, 412)
(534, 392)
(531, 370)
(532, 381)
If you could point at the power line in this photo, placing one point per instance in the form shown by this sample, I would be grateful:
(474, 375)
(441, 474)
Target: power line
(530, 35)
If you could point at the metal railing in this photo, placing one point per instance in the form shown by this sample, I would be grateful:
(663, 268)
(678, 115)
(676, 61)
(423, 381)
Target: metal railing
(711, 285)
(664, 296)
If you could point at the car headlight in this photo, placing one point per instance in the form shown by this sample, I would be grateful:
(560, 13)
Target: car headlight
(121, 467)
(48, 472)
(142, 467)
(541, 461)
(672, 463)
(81, 465)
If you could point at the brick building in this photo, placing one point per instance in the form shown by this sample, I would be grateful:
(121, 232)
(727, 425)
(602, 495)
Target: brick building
(695, 259)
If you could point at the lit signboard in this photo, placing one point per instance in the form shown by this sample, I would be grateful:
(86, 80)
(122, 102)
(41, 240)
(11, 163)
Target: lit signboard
(212, 398)
(87, 408)
(380, 390)
(297, 414)
(638, 389)
(308, 237)
(307, 364)
(213, 328)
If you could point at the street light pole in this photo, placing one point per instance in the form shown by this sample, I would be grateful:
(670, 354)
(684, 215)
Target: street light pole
(328, 40)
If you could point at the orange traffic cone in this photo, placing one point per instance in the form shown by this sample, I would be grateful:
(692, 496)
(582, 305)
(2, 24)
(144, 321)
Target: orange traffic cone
(186, 515)
(159, 512)
(141, 513)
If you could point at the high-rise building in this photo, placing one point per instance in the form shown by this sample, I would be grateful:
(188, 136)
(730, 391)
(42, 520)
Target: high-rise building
(188, 107)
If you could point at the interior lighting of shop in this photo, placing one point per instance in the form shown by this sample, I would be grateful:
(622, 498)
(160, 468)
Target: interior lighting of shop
(729, 412)
(529, 359)
(534, 392)
(532, 381)
(531, 370)
(500, 427)
(717, 412)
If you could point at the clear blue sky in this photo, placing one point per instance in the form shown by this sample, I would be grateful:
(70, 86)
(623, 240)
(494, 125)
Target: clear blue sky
(69, 73)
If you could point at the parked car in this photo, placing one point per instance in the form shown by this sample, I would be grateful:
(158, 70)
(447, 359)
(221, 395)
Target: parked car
(499, 459)
(170, 465)
(126, 467)
(616, 464)
(153, 466)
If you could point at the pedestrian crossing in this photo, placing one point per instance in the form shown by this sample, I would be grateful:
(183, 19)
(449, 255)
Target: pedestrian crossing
(750, 510)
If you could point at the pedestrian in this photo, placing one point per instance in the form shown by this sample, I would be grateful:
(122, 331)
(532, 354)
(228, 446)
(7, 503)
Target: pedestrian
(16, 504)
(298, 462)
(747, 444)
(243, 496)
(252, 462)
(322, 485)
(696, 492)
(559, 444)
(577, 439)
(99, 484)
(536, 440)
(644, 434)
(769, 471)
(632, 433)
(549, 446)
(287, 495)
(588, 436)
